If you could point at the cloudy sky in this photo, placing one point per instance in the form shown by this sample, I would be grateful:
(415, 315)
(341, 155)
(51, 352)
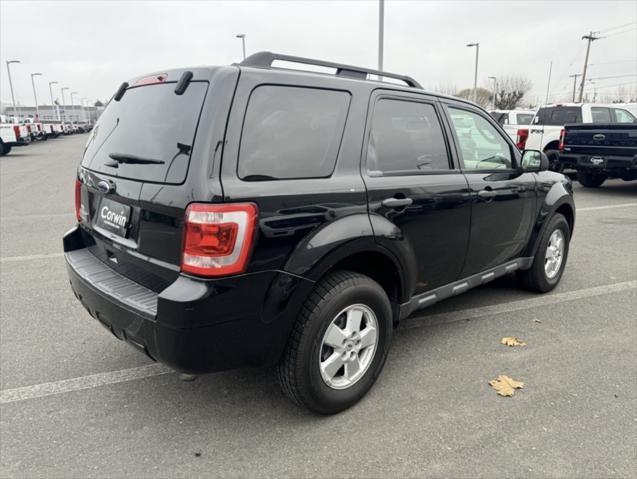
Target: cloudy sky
(93, 46)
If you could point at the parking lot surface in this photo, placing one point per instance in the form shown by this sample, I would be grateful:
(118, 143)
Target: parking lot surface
(76, 402)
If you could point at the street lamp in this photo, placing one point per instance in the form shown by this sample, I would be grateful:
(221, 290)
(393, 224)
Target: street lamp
(35, 95)
(475, 74)
(72, 105)
(9, 62)
(53, 105)
(495, 82)
(242, 36)
(64, 103)
(84, 115)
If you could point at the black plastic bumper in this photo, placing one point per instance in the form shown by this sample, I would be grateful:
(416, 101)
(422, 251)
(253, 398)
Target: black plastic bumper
(194, 325)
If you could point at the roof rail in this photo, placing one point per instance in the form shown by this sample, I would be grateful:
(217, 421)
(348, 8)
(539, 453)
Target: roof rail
(265, 59)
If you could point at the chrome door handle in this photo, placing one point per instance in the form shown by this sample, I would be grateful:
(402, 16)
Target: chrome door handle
(486, 194)
(397, 202)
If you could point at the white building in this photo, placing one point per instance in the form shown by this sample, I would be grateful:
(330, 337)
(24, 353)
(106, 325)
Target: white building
(67, 113)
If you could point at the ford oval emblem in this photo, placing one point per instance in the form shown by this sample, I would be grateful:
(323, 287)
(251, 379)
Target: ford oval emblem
(104, 186)
(599, 137)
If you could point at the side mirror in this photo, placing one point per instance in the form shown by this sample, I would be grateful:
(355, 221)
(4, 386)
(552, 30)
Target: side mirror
(534, 160)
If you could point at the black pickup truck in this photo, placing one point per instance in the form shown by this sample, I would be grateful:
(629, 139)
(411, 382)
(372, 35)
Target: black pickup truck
(600, 151)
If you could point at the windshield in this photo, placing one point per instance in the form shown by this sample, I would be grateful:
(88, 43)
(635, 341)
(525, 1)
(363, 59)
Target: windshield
(149, 122)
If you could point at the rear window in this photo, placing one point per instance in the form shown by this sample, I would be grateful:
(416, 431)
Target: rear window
(291, 132)
(559, 115)
(150, 122)
(524, 118)
(600, 114)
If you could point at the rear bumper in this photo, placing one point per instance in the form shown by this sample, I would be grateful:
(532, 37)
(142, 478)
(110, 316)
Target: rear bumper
(194, 325)
(612, 165)
(22, 141)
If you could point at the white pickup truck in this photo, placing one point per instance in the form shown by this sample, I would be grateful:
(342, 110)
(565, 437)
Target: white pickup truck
(513, 120)
(546, 129)
(12, 134)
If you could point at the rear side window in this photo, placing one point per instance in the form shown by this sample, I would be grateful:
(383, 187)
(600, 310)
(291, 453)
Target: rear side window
(406, 138)
(151, 123)
(623, 116)
(600, 114)
(291, 132)
(524, 118)
(558, 115)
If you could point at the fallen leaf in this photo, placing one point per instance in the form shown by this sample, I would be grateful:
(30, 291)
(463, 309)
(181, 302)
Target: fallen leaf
(505, 386)
(537, 320)
(512, 341)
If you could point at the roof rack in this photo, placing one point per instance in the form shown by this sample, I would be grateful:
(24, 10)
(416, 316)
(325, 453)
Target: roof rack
(265, 59)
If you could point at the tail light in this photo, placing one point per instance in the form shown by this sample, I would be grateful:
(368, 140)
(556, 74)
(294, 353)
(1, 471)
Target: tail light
(78, 200)
(218, 238)
(562, 135)
(28, 128)
(522, 136)
(16, 130)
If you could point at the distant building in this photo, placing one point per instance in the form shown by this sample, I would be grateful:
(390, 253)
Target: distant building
(70, 113)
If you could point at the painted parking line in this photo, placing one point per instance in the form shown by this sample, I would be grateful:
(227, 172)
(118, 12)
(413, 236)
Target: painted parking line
(125, 375)
(12, 259)
(607, 207)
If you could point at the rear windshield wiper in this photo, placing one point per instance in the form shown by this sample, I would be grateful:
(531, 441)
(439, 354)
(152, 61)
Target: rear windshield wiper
(133, 160)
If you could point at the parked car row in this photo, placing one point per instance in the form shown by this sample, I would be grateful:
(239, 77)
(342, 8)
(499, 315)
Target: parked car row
(597, 141)
(21, 132)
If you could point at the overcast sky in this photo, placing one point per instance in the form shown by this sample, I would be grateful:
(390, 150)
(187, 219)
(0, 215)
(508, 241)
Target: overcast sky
(92, 47)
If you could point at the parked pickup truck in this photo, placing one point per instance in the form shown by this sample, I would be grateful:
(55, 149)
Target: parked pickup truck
(12, 134)
(600, 151)
(513, 120)
(544, 132)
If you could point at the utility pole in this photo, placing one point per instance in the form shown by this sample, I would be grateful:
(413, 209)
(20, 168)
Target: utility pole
(35, 96)
(495, 89)
(548, 84)
(574, 77)
(381, 32)
(9, 62)
(475, 72)
(64, 104)
(591, 37)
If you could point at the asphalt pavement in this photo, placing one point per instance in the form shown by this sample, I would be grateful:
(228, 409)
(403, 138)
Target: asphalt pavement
(75, 402)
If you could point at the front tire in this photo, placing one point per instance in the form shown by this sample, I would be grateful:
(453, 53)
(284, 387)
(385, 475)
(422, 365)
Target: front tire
(590, 180)
(338, 345)
(550, 259)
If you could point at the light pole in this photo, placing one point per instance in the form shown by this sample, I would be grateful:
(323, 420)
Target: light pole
(63, 103)
(381, 33)
(574, 77)
(53, 105)
(72, 105)
(84, 115)
(35, 95)
(495, 83)
(242, 36)
(9, 62)
(475, 74)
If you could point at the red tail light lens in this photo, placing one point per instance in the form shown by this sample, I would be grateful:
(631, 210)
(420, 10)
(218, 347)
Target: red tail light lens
(562, 134)
(78, 200)
(522, 136)
(218, 238)
(16, 130)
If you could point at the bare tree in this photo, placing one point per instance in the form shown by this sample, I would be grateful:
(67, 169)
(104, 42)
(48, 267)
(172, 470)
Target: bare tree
(448, 89)
(482, 98)
(511, 91)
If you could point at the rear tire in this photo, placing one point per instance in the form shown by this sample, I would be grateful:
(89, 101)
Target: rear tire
(590, 180)
(4, 149)
(327, 379)
(550, 259)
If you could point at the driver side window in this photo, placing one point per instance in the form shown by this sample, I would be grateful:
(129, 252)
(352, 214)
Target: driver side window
(481, 145)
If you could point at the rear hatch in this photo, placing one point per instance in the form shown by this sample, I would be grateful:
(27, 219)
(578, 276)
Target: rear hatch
(133, 175)
(617, 139)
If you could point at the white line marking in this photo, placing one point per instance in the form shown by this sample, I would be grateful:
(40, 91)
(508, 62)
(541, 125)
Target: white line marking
(538, 301)
(11, 259)
(84, 382)
(114, 377)
(38, 216)
(596, 208)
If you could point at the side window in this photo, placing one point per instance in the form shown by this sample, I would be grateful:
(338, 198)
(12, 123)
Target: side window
(623, 116)
(406, 137)
(291, 132)
(481, 144)
(600, 114)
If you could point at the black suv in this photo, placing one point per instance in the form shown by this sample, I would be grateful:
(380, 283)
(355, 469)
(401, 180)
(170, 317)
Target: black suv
(249, 215)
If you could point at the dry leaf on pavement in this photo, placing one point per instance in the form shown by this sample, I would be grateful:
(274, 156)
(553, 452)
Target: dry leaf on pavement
(505, 386)
(512, 341)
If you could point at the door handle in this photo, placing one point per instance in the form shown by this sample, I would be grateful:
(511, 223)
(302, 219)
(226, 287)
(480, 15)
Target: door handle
(486, 194)
(397, 202)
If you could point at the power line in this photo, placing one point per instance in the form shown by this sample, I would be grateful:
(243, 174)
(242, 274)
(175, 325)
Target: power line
(616, 61)
(614, 76)
(619, 33)
(618, 26)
